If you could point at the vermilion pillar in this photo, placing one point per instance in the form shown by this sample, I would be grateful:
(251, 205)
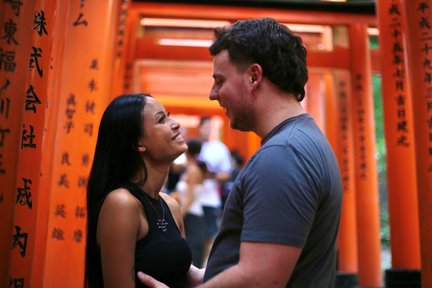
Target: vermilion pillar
(340, 133)
(15, 50)
(366, 177)
(31, 148)
(399, 135)
(315, 104)
(56, 32)
(61, 82)
(122, 43)
(254, 143)
(341, 101)
(419, 59)
(128, 56)
(84, 90)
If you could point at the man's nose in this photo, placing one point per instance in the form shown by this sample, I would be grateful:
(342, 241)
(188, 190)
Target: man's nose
(213, 95)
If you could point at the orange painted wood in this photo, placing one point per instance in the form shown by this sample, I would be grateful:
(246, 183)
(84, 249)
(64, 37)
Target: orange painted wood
(15, 50)
(337, 59)
(56, 34)
(188, 81)
(254, 143)
(121, 47)
(419, 57)
(339, 130)
(147, 48)
(399, 135)
(129, 56)
(366, 176)
(84, 86)
(31, 148)
(315, 99)
(196, 11)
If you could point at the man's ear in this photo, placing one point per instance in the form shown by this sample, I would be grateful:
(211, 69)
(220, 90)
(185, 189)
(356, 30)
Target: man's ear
(255, 73)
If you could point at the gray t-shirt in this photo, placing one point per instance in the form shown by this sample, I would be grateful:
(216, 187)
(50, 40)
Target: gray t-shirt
(289, 193)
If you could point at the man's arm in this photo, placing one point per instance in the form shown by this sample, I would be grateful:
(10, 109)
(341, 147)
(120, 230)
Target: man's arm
(260, 265)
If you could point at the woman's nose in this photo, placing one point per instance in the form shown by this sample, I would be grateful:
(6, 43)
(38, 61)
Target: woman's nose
(175, 125)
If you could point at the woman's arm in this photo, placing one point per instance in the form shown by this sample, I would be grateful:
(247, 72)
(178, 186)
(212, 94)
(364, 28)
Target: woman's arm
(117, 232)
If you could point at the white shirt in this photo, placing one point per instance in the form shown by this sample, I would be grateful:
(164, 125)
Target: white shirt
(195, 208)
(218, 159)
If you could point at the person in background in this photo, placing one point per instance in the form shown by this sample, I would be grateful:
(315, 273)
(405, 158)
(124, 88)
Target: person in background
(280, 223)
(237, 164)
(217, 158)
(131, 226)
(189, 189)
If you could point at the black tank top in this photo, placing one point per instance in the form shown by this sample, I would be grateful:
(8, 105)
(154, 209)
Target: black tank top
(163, 253)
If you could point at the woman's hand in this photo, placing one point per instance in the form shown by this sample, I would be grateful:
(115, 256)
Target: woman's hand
(195, 276)
(150, 281)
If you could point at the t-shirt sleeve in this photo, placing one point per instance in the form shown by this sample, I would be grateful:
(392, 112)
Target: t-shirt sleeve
(280, 197)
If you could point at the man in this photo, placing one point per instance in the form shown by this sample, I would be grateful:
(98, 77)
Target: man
(218, 160)
(280, 222)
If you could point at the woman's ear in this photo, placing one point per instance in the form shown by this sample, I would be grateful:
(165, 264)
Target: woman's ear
(141, 147)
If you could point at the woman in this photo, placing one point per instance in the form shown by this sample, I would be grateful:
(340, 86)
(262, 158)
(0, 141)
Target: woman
(189, 188)
(131, 225)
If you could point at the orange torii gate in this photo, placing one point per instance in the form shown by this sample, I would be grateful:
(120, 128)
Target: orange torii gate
(366, 179)
(419, 43)
(55, 82)
(400, 143)
(366, 231)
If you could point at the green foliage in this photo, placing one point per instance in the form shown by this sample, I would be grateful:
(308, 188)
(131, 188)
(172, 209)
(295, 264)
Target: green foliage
(381, 159)
(373, 42)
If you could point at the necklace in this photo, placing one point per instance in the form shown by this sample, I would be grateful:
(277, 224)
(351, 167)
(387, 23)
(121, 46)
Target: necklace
(161, 223)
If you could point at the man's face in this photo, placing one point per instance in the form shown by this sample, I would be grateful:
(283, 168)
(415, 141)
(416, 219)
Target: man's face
(231, 91)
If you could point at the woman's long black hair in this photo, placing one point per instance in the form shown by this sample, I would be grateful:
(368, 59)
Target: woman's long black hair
(116, 160)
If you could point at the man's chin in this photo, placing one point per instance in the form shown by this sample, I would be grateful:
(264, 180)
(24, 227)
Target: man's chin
(236, 126)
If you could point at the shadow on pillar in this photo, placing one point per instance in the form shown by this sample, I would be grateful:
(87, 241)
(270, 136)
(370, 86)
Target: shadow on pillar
(346, 280)
(401, 278)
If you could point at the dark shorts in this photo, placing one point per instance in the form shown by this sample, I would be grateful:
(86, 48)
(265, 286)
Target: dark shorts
(196, 234)
(212, 216)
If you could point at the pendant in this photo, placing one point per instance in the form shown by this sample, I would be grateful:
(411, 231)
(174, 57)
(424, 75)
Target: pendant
(162, 224)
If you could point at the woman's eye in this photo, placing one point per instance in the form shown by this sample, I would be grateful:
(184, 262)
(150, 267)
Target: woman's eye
(164, 118)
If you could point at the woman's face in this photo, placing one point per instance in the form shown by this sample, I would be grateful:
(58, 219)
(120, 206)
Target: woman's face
(162, 141)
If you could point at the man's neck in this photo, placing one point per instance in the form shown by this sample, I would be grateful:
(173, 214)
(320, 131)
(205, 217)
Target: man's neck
(274, 108)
